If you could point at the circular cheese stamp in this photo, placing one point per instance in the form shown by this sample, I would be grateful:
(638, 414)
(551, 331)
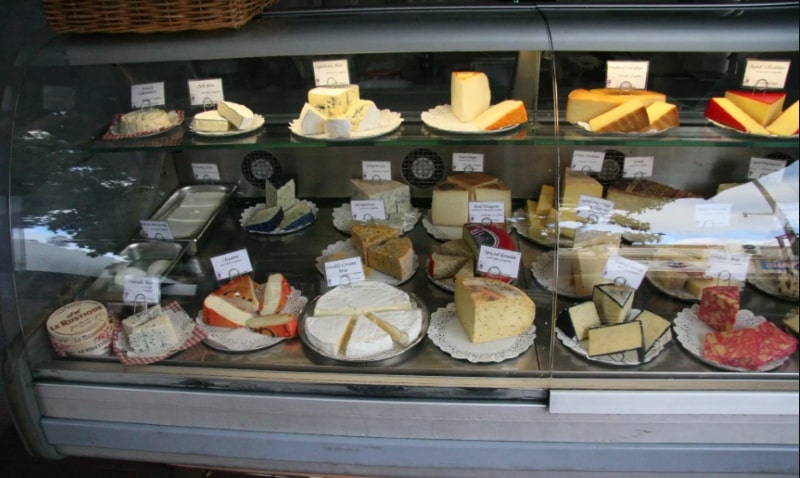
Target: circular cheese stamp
(80, 327)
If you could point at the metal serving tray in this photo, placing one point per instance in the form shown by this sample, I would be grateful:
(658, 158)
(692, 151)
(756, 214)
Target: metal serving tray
(189, 224)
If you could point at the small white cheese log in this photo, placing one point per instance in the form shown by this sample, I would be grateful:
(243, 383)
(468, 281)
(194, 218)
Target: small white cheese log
(240, 116)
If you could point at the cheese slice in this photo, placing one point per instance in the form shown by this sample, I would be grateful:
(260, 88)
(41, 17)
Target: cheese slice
(274, 325)
(575, 321)
(661, 116)
(404, 326)
(363, 115)
(312, 120)
(726, 113)
(328, 333)
(792, 323)
(546, 200)
(362, 297)
(240, 116)
(280, 191)
(366, 339)
(333, 100)
(469, 94)
(762, 106)
(613, 302)
(222, 311)
(442, 266)
(583, 105)
(210, 121)
(502, 115)
(276, 293)
(490, 309)
(786, 124)
(616, 339)
(265, 220)
(627, 117)
(297, 216)
(653, 328)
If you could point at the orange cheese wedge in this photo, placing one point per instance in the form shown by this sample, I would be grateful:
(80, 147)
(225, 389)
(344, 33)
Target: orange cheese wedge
(787, 123)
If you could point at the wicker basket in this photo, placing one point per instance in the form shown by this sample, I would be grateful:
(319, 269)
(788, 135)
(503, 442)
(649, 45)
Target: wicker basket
(149, 16)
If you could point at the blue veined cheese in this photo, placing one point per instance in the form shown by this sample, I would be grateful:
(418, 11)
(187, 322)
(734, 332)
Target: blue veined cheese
(312, 120)
(265, 220)
(297, 216)
(240, 116)
(280, 191)
(404, 326)
(135, 320)
(210, 121)
(395, 195)
(327, 333)
(333, 100)
(362, 297)
(613, 302)
(362, 115)
(367, 339)
(153, 335)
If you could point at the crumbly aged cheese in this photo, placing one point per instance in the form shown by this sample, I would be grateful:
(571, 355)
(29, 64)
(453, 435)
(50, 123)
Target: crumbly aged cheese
(156, 333)
(394, 257)
(575, 321)
(280, 191)
(333, 100)
(366, 339)
(449, 204)
(467, 270)
(363, 236)
(616, 339)
(490, 309)
(362, 297)
(469, 94)
(653, 328)
(662, 115)
(312, 120)
(719, 306)
(240, 116)
(327, 333)
(442, 266)
(143, 121)
(547, 199)
(404, 326)
(276, 292)
(583, 105)
(395, 195)
(498, 191)
(787, 123)
(501, 115)
(577, 184)
(587, 268)
(724, 112)
(265, 220)
(210, 121)
(762, 106)
(749, 347)
(613, 302)
(627, 117)
(297, 216)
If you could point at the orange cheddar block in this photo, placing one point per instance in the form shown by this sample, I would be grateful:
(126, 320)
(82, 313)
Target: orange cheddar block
(786, 124)
(274, 325)
(276, 292)
(719, 306)
(762, 106)
(627, 117)
(724, 112)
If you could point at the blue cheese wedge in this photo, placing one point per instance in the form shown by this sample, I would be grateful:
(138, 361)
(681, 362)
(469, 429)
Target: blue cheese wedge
(654, 327)
(297, 216)
(395, 195)
(280, 191)
(154, 334)
(576, 321)
(333, 100)
(616, 339)
(613, 302)
(265, 220)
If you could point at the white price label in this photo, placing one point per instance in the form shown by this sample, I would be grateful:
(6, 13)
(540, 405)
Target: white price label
(231, 265)
(58, 98)
(710, 215)
(469, 162)
(376, 170)
(624, 271)
(158, 230)
(138, 289)
(331, 72)
(206, 92)
(344, 271)
(766, 74)
(596, 209)
(627, 75)
(499, 262)
(367, 210)
(587, 161)
(727, 266)
(487, 212)
(638, 167)
(763, 166)
(147, 94)
(205, 171)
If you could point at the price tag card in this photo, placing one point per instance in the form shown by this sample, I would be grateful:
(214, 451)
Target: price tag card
(147, 94)
(230, 265)
(503, 262)
(766, 74)
(627, 74)
(58, 98)
(344, 271)
(206, 92)
(638, 167)
(764, 166)
(367, 210)
(331, 72)
(141, 289)
(156, 230)
(205, 171)
(727, 266)
(587, 161)
(590, 207)
(483, 212)
(376, 170)
(470, 162)
(708, 215)
(624, 271)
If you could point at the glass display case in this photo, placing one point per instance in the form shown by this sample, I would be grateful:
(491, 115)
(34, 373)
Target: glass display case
(638, 213)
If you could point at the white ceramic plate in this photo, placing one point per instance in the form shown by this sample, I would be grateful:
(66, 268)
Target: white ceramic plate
(258, 123)
(346, 247)
(544, 271)
(405, 222)
(441, 117)
(447, 333)
(585, 128)
(389, 121)
(275, 232)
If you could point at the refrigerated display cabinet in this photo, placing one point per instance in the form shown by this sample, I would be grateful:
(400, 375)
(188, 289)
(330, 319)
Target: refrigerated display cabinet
(75, 199)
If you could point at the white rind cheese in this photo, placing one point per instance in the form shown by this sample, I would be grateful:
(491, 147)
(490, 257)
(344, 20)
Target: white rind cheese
(312, 120)
(210, 121)
(367, 339)
(333, 100)
(240, 116)
(339, 127)
(361, 298)
(404, 326)
(327, 333)
(490, 309)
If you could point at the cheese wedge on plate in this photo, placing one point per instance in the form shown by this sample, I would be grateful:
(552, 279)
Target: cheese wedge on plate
(502, 115)
(240, 116)
(786, 124)
(627, 117)
(490, 309)
(762, 106)
(726, 113)
(469, 94)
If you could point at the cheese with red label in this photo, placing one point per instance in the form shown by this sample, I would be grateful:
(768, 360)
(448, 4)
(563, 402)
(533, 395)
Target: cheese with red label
(490, 309)
(724, 112)
(762, 106)
(719, 306)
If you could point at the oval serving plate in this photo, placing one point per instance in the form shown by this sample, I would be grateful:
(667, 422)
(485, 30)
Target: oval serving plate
(231, 131)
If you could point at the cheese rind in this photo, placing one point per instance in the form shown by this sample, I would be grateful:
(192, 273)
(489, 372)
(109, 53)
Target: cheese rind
(327, 333)
(276, 293)
(333, 100)
(210, 121)
(394, 257)
(583, 105)
(490, 309)
(762, 106)
(502, 115)
(265, 220)
(365, 236)
(404, 326)
(627, 117)
(240, 116)
(724, 112)
(280, 191)
(613, 302)
(297, 216)
(662, 116)
(788, 122)
(362, 297)
(469, 94)
(653, 328)
(312, 120)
